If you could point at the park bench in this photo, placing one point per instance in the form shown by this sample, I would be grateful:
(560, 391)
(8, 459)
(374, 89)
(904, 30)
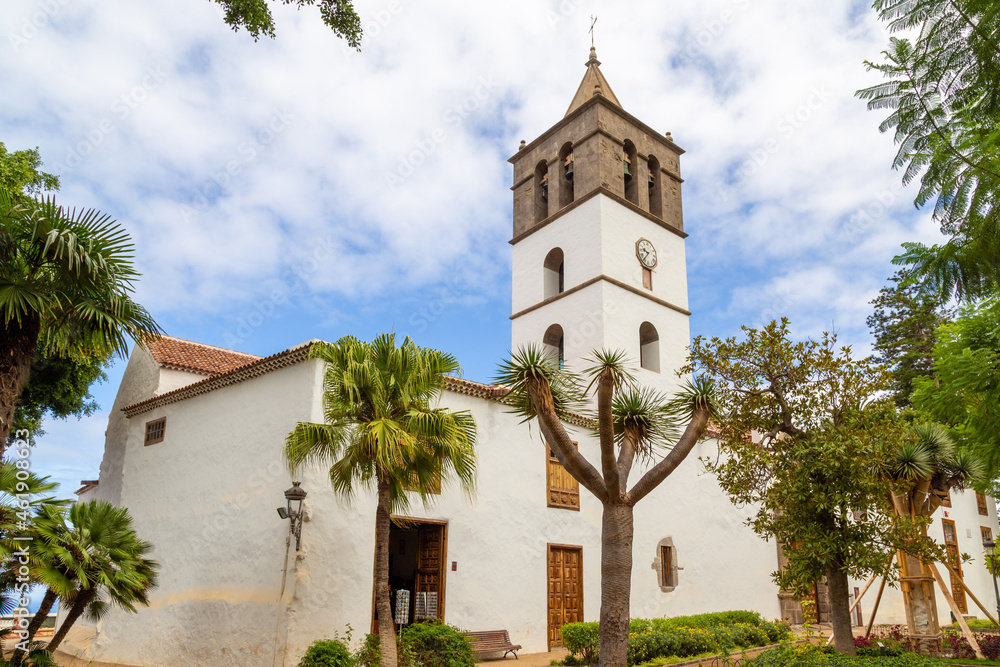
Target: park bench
(492, 641)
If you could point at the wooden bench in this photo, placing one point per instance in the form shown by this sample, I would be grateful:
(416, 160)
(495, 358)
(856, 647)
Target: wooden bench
(492, 641)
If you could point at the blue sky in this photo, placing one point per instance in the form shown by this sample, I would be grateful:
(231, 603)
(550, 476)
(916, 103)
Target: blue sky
(292, 189)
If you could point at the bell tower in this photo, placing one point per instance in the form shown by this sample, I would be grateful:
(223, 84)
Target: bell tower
(599, 238)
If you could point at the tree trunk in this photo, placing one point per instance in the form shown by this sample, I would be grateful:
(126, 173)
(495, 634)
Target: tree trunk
(17, 346)
(616, 583)
(83, 598)
(840, 614)
(386, 625)
(920, 600)
(36, 622)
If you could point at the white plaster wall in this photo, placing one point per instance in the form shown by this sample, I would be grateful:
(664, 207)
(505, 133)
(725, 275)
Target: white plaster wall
(171, 379)
(578, 233)
(206, 498)
(139, 382)
(965, 513)
(582, 317)
(621, 228)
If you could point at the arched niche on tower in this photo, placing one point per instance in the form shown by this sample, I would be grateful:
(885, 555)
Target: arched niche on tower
(541, 191)
(552, 343)
(655, 187)
(630, 165)
(566, 168)
(649, 347)
(553, 274)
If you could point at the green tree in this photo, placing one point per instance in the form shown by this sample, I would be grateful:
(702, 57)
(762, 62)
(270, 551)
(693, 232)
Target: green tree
(107, 562)
(904, 325)
(66, 280)
(380, 431)
(942, 87)
(255, 17)
(57, 386)
(632, 421)
(965, 390)
(20, 173)
(924, 470)
(812, 470)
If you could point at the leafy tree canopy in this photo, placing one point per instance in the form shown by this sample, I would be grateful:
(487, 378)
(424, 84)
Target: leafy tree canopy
(904, 325)
(255, 16)
(965, 390)
(20, 173)
(805, 445)
(942, 88)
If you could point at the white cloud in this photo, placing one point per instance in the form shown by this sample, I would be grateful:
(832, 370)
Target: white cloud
(242, 168)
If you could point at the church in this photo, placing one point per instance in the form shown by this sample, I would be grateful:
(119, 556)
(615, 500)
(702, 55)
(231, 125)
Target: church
(194, 450)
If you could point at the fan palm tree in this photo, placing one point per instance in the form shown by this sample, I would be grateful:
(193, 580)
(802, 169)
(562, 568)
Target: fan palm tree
(925, 470)
(47, 551)
(66, 279)
(634, 421)
(380, 431)
(94, 552)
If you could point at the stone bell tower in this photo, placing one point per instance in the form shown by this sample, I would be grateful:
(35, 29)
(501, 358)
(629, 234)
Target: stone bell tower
(599, 238)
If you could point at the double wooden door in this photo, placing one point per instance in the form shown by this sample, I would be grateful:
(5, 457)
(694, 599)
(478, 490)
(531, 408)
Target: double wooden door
(565, 565)
(951, 547)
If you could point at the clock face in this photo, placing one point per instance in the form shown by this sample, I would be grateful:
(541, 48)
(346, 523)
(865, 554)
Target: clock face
(646, 253)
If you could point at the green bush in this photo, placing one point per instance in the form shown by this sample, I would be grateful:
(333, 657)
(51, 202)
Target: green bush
(370, 653)
(327, 653)
(437, 645)
(652, 640)
(804, 655)
(583, 640)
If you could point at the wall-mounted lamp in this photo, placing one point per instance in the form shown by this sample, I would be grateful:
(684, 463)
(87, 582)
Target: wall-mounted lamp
(293, 511)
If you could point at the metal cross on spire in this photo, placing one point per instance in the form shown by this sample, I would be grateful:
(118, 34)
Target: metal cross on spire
(593, 20)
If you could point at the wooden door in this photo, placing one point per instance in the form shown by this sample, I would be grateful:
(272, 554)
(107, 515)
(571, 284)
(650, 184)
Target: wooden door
(563, 489)
(565, 589)
(951, 547)
(431, 547)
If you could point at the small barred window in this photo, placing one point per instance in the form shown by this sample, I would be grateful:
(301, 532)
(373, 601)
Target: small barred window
(155, 431)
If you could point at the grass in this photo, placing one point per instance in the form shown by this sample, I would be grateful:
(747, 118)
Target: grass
(969, 661)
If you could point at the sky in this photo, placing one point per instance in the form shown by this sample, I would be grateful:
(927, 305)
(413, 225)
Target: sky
(290, 189)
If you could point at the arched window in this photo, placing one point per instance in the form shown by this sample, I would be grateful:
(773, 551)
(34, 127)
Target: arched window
(553, 343)
(631, 168)
(541, 191)
(649, 347)
(553, 273)
(655, 188)
(566, 185)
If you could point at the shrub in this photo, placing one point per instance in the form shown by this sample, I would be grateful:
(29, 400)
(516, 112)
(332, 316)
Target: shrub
(583, 640)
(437, 645)
(327, 653)
(370, 653)
(808, 654)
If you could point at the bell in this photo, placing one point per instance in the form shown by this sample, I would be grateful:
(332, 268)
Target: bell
(545, 191)
(652, 181)
(628, 175)
(569, 169)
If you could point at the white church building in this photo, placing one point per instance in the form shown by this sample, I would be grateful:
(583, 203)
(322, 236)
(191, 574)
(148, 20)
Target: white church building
(194, 450)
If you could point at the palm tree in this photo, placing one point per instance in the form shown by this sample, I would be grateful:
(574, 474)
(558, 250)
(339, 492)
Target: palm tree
(47, 554)
(97, 553)
(379, 431)
(66, 279)
(925, 470)
(637, 423)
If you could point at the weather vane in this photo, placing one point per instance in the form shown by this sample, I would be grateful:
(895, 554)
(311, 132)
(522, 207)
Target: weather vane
(593, 20)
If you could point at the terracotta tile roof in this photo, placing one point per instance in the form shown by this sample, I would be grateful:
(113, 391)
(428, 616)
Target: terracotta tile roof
(256, 366)
(185, 355)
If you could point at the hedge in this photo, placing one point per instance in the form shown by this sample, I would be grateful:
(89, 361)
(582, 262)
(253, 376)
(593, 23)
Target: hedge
(680, 636)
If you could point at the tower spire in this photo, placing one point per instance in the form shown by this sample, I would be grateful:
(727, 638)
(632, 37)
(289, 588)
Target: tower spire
(593, 83)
